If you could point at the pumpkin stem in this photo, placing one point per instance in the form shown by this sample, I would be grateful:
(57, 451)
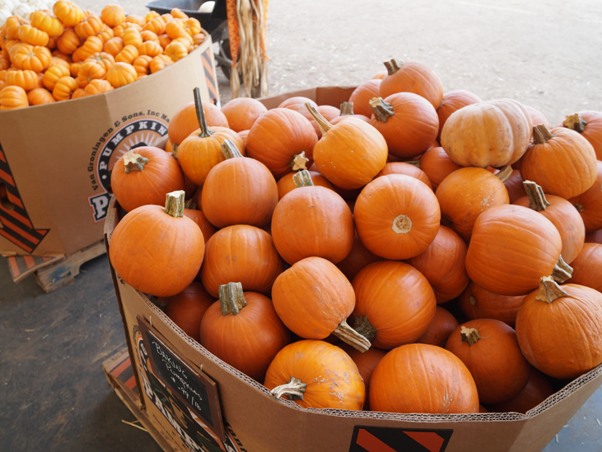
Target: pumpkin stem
(562, 271)
(231, 298)
(299, 161)
(323, 123)
(293, 390)
(348, 335)
(469, 335)
(132, 161)
(541, 134)
(574, 122)
(229, 150)
(382, 110)
(362, 325)
(549, 290)
(537, 198)
(392, 66)
(346, 108)
(200, 114)
(302, 178)
(504, 173)
(174, 203)
(402, 224)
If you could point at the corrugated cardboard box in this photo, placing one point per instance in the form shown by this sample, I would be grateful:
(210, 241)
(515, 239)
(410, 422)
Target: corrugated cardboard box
(55, 160)
(198, 402)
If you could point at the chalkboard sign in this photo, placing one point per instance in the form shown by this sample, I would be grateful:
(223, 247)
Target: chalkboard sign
(193, 387)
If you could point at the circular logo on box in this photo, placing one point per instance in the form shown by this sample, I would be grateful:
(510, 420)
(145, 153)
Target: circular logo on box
(130, 132)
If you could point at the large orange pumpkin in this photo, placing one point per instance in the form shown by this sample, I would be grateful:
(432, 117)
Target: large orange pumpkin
(559, 328)
(240, 190)
(511, 248)
(241, 253)
(360, 97)
(437, 165)
(349, 153)
(407, 121)
(314, 299)
(422, 378)
(157, 250)
(589, 124)
(397, 216)
(478, 303)
(587, 266)
(312, 221)
(394, 303)
(316, 374)
(560, 160)
(186, 309)
(413, 77)
(489, 133)
(242, 112)
(243, 329)
(490, 350)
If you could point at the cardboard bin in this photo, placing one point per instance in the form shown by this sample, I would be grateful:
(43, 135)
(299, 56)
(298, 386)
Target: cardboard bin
(56, 159)
(197, 402)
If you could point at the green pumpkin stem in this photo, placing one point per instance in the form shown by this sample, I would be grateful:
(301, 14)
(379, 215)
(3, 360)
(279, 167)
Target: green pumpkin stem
(350, 336)
(537, 198)
(174, 203)
(574, 122)
(381, 109)
(346, 108)
(293, 390)
(229, 150)
(469, 335)
(392, 66)
(541, 134)
(303, 178)
(200, 114)
(231, 298)
(562, 271)
(323, 123)
(549, 290)
(132, 161)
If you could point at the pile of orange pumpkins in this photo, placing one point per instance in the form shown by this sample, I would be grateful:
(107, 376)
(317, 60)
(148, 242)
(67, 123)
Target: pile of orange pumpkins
(67, 52)
(411, 250)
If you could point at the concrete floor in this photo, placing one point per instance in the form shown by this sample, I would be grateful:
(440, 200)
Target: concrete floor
(53, 393)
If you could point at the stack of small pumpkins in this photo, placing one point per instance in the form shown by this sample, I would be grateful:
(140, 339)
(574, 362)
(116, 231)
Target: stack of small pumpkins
(68, 52)
(411, 250)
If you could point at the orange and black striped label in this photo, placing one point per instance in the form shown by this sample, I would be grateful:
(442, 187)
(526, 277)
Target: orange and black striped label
(210, 76)
(15, 224)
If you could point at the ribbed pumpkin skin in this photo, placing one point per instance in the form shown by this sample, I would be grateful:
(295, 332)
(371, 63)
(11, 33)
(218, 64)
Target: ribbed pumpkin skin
(242, 112)
(351, 153)
(495, 361)
(397, 216)
(312, 221)
(478, 303)
(413, 126)
(241, 253)
(405, 168)
(511, 248)
(587, 266)
(565, 165)
(437, 164)
(382, 291)
(422, 378)
(362, 94)
(413, 77)
(156, 253)
(465, 194)
(159, 176)
(567, 220)
(248, 340)
(563, 339)
(331, 376)
(312, 297)
(589, 203)
(488, 133)
(277, 136)
(443, 264)
(452, 101)
(239, 190)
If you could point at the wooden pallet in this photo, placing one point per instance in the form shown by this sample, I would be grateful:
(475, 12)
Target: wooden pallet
(53, 272)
